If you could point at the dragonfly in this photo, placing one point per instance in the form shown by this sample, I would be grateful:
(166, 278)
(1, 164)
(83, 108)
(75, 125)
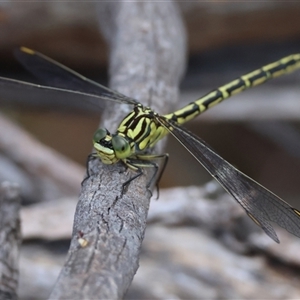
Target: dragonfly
(142, 128)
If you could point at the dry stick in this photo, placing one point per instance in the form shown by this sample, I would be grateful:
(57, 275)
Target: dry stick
(37, 159)
(10, 240)
(147, 58)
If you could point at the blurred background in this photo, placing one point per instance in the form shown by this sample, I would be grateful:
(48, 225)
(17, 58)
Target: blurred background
(258, 131)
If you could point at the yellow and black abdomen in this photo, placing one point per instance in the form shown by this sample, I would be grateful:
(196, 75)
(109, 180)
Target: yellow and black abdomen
(254, 78)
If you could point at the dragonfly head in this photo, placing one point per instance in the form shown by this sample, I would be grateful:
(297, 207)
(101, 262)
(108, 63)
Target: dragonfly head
(110, 148)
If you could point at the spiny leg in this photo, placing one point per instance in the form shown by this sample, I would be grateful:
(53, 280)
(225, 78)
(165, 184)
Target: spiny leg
(145, 161)
(90, 157)
(165, 158)
(126, 183)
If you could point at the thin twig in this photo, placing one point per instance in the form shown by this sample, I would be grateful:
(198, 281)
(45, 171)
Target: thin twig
(38, 160)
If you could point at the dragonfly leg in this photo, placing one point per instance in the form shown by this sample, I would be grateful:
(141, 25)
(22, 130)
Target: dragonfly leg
(145, 161)
(126, 183)
(165, 157)
(90, 157)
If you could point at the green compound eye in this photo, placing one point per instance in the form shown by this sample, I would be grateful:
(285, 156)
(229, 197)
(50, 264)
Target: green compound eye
(121, 146)
(100, 134)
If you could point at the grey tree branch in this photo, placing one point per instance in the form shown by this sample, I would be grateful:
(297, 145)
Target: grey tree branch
(10, 240)
(38, 161)
(147, 58)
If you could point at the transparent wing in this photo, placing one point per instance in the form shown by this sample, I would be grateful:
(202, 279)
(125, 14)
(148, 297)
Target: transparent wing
(260, 204)
(22, 93)
(67, 89)
(57, 75)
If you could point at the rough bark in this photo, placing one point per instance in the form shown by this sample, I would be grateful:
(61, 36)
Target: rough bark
(10, 240)
(147, 45)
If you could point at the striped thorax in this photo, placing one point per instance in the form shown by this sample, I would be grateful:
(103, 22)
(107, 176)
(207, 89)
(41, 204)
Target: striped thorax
(138, 131)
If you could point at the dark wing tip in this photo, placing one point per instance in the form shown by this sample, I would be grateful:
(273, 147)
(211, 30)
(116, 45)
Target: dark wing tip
(26, 50)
